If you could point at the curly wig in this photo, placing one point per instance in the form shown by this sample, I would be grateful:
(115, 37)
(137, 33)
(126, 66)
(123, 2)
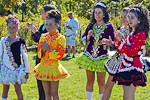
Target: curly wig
(142, 14)
(105, 11)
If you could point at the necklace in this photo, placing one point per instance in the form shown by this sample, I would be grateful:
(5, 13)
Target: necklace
(12, 39)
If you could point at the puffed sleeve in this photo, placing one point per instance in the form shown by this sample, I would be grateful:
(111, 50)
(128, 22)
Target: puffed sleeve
(58, 54)
(134, 48)
(1, 50)
(39, 50)
(25, 58)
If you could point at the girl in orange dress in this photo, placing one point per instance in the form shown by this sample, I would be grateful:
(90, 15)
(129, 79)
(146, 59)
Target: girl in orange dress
(51, 49)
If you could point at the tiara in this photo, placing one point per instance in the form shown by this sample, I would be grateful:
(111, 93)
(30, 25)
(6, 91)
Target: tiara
(101, 4)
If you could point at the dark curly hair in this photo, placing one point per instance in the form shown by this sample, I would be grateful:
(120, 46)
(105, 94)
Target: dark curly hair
(125, 9)
(9, 18)
(49, 7)
(56, 14)
(142, 14)
(105, 11)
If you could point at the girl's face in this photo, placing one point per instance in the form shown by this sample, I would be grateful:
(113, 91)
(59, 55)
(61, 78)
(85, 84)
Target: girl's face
(124, 18)
(98, 14)
(12, 28)
(51, 26)
(132, 20)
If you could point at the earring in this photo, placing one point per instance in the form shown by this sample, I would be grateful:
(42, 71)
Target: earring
(138, 21)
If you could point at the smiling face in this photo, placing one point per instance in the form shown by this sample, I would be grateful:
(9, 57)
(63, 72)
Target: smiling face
(12, 29)
(98, 14)
(51, 26)
(124, 18)
(132, 20)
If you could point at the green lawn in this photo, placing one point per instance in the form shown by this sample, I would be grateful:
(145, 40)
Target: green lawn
(72, 88)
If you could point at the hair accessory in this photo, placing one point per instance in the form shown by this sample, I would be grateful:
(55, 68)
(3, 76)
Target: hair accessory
(101, 4)
(137, 9)
(16, 21)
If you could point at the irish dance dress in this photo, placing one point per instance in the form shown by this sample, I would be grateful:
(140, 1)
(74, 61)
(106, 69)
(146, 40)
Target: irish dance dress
(50, 69)
(131, 70)
(14, 61)
(95, 56)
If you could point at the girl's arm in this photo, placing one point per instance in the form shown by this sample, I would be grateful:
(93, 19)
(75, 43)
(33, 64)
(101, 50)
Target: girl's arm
(135, 47)
(85, 37)
(58, 54)
(25, 58)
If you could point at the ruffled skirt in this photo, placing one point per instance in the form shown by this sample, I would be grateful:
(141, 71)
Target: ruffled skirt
(53, 74)
(133, 77)
(8, 76)
(86, 62)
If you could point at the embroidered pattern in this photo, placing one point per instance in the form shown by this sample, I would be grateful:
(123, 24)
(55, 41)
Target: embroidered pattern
(10, 55)
(50, 77)
(98, 30)
(24, 48)
(49, 56)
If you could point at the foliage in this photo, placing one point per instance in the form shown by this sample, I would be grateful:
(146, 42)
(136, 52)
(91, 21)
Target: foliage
(25, 33)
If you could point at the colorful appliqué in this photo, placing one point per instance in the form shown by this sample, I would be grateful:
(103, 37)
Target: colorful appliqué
(10, 55)
(97, 34)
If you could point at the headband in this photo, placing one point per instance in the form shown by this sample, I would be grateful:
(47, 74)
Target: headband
(137, 9)
(101, 4)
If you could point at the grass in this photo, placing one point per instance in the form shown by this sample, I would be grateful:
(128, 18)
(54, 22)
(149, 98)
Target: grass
(72, 88)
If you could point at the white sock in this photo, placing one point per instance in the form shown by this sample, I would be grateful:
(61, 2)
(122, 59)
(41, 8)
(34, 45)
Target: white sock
(89, 95)
(4, 98)
(100, 95)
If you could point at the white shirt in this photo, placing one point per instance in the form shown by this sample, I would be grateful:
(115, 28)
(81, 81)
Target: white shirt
(74, 24)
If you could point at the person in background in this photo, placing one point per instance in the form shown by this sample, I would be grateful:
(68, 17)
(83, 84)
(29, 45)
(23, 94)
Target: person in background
(36, 34)
(111, 64)
(131, 73)
(71, 26)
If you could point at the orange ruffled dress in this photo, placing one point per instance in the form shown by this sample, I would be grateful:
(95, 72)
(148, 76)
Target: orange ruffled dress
(50, 69)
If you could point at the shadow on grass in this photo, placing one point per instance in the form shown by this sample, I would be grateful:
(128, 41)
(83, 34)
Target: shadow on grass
(32, 50)
(66, 59)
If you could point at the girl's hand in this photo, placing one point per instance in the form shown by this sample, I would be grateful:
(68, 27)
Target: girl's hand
(90, 33)
(45, 47)
(27, 75)
(106, 42)
(118, 35)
